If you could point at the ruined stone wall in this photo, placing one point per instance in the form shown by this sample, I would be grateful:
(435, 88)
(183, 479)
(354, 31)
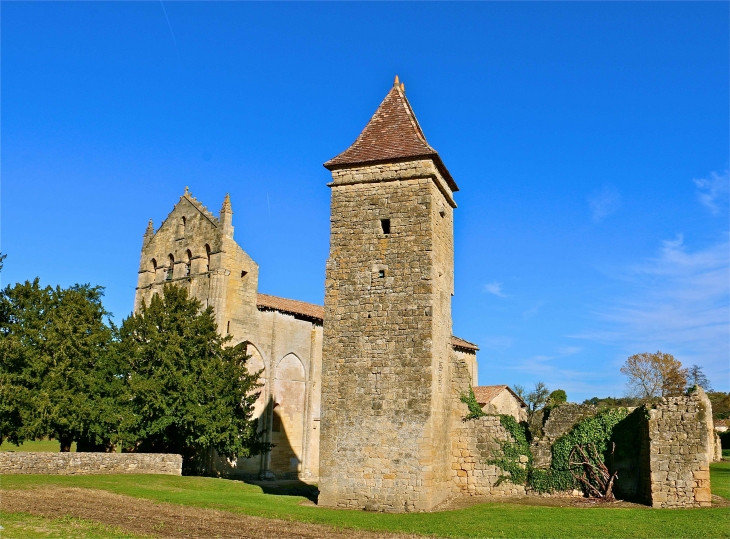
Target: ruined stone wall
(473, 443)
(679, 452)
(89, 463)
(387, 333)
(547, 426)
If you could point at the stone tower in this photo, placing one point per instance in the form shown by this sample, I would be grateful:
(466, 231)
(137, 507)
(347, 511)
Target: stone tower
(386, 366)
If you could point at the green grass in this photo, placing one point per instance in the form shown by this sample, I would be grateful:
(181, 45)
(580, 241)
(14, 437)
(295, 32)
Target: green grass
(720, 479)
(25, 526)
(484, 520)
(43, 446)
(726, 453)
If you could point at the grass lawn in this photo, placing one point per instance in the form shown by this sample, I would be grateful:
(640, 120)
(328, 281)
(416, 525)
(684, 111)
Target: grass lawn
(43, 446)
(720, 479)
(484, 520)
(24, 526)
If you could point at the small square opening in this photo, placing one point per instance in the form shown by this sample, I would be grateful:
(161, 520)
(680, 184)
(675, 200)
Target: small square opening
(381, 273)
(385, 225)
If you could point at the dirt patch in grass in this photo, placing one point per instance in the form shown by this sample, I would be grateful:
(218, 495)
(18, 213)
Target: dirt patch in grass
(145, 517)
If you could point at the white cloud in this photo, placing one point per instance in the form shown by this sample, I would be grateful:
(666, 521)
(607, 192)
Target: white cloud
(532, 311)
(569, 350)
(677, 302)
(494, 288)
(604, 202)
(713, 191)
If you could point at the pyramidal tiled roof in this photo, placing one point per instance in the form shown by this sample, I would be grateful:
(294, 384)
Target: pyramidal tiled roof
(392, 134)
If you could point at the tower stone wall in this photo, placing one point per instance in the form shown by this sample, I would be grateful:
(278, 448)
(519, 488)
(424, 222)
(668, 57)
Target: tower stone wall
(387, 351)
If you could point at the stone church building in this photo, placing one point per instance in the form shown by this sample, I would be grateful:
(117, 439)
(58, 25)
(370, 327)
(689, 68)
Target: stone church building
(389, 286)
(362, 395)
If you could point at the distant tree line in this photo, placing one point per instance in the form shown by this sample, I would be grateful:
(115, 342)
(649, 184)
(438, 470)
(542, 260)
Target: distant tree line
(164, 381)
(649, 377)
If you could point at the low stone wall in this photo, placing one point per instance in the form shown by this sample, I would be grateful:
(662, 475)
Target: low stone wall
(474, 442)
(680, 452)
(89, 463)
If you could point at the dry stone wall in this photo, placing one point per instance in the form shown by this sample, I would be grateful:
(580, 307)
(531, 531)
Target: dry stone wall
(89, 463)
(474, 443)
(680, 452)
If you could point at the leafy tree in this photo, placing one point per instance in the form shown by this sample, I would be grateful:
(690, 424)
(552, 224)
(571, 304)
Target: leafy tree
(557, 397)
(538, 397)
(53, 345)
(695, 377)
(2, 259)
(720, 404)
(654, 375)
(188, 391)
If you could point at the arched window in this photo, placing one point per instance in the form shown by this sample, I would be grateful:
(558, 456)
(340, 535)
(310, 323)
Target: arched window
(170, 268)
(154, 265)
(207, 254)
(188, 262)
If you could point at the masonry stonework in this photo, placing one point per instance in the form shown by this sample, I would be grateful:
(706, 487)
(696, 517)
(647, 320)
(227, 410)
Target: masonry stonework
(16, 463)
(680, 451)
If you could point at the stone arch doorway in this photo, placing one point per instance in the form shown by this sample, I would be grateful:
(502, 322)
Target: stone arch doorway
(287, 429)
(254, 364)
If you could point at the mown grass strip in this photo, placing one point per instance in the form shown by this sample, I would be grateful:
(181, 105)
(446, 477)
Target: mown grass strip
(484, 520)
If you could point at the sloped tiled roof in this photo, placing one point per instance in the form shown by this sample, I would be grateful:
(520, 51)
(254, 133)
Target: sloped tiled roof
(290, 306)
(485, 394)
(314, 312)
(392, 134)
(456, 342)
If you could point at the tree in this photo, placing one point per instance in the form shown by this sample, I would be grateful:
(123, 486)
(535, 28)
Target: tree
(188, 391)
(695, 377)
(654, 375)
(53, 345)
(537, 398)
(720, 404)
(557, 397)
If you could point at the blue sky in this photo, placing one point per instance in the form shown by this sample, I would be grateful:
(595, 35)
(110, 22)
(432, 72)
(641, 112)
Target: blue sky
(589, 141)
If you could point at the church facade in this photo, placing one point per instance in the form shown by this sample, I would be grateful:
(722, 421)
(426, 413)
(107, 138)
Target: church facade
(398, 212)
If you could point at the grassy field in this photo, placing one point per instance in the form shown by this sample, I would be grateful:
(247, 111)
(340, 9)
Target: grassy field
(720, 479)
(24, 526)
(484, 520)
(43, 446)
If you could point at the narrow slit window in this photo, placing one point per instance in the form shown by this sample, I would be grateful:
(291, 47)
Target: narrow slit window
(228, 327)
(385, 225)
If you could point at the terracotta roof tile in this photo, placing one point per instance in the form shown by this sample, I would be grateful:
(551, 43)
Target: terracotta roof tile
(290, 306)
(456, 342)
(392, 134)
(314, 312)
(485, 394)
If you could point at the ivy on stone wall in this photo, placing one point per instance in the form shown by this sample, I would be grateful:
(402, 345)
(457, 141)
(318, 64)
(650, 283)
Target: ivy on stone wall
(515, 456)
(475, 411)
(596, 431)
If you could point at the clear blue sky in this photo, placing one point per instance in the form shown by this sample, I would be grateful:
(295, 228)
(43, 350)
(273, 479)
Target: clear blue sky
(589, 140)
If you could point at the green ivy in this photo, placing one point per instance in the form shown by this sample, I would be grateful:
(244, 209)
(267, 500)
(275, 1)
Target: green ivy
(508, 458)
(475, 411)
(596, 430)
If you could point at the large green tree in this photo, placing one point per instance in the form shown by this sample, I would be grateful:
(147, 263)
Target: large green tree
(54, 381)
(188, 390)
